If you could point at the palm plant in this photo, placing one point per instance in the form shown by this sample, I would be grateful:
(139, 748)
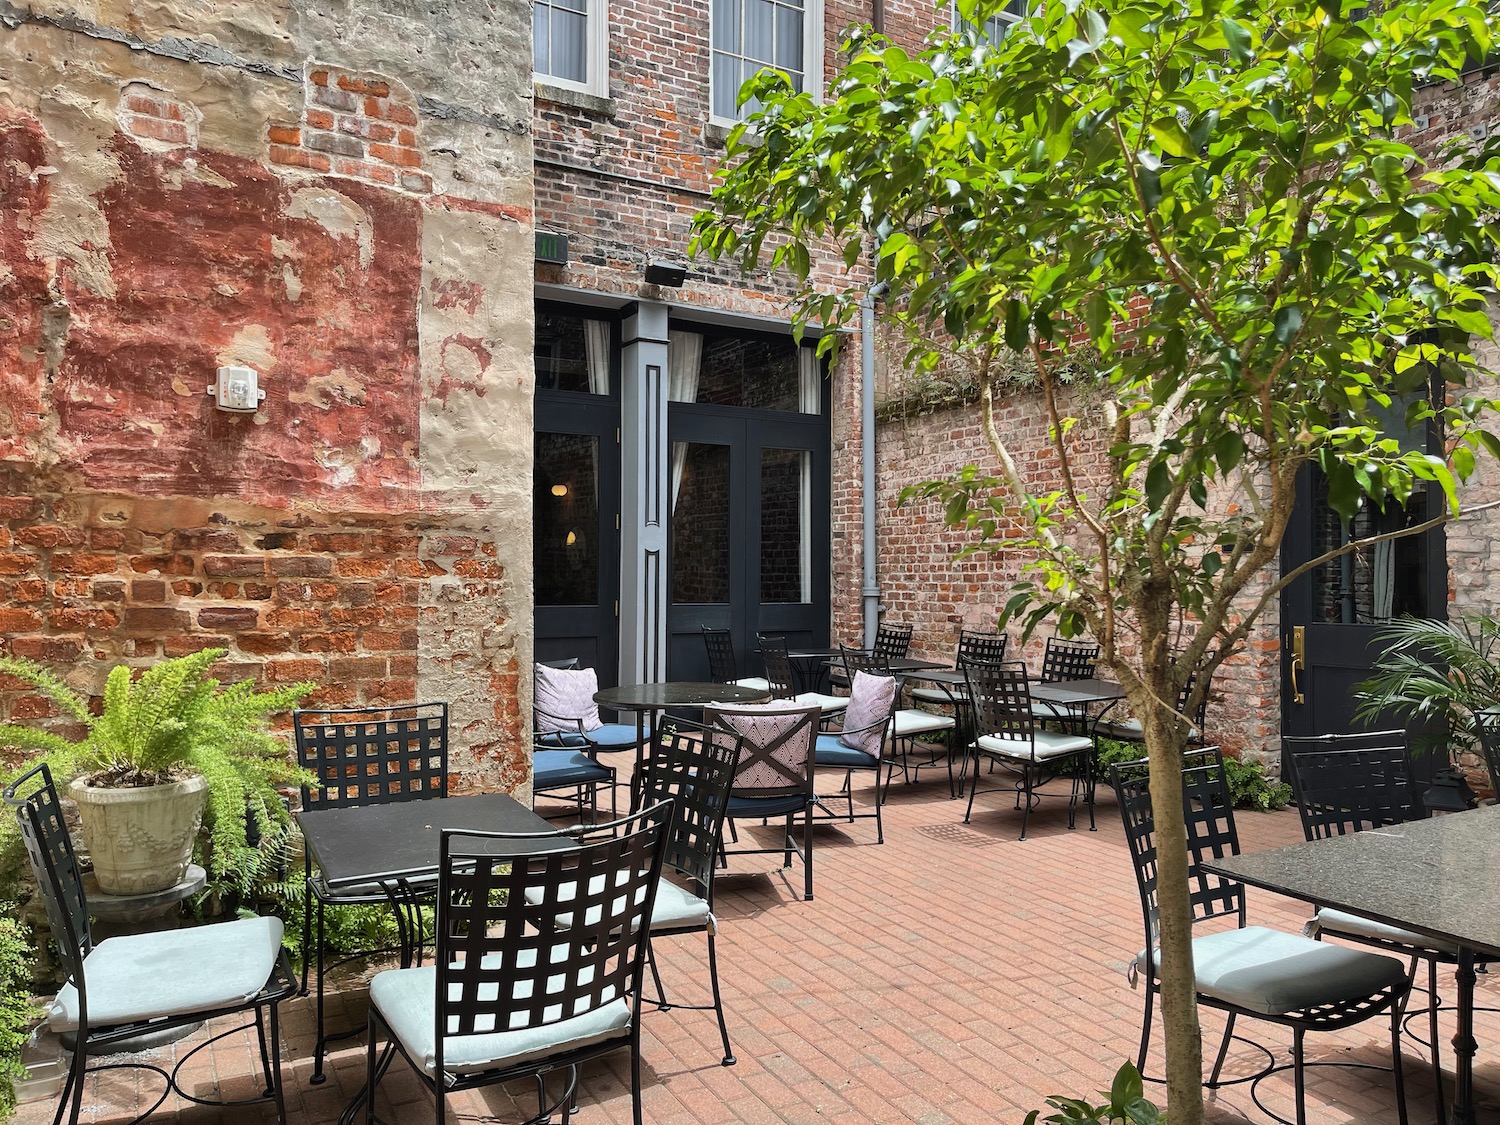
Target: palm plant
(172, 721)
(1434, 675)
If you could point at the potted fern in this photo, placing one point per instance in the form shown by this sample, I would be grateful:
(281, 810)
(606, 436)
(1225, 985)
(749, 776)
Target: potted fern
(165, 746)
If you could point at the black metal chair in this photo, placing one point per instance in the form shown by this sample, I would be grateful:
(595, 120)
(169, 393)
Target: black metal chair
(564, 715)
(722, 665)
(361, 756)
(124, 987)
(576, 772)
(1350, 783)
(892, 640)
(1064, 660)
(541, 947)
(780, 681)
(695, 772)
(974, 647)
(1252, 971)
(907, 723)
(1130, 730)
(1487, 729)
(867, 723)
(1008, 736)
(775, 775)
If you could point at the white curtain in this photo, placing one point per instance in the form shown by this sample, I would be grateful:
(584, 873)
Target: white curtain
(684, 357)
(1383, 578)
(809, 381)
(596, 345)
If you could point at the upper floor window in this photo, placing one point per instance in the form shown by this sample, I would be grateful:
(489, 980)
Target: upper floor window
(997, 25)
(569, 44)
(750, 35)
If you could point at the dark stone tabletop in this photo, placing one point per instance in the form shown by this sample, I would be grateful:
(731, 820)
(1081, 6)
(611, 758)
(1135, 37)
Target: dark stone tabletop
(658, 697)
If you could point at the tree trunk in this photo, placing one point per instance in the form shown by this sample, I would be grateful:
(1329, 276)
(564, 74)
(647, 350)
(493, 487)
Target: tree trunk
(1179, 1003)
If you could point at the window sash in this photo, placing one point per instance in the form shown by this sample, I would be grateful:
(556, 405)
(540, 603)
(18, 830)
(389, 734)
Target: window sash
(570, 44)
(750, 35)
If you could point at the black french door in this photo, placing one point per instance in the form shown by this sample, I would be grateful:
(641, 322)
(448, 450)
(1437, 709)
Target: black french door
(749, 543)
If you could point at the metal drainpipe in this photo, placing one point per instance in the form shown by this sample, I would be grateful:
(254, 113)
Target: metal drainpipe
(871, 590)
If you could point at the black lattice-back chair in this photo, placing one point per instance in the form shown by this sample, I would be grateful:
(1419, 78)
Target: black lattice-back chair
(1286, 979)
(862, 743)
(892, 640)
(694, 771)
(775, 774)
(780, 680)
(1131, 730)
(541, 946)
(1007, 735)
(722, 665)
(1350, 783)
(873, 661)
(362, 756)
(1487, 728)
(123, 987)
(1064, 660)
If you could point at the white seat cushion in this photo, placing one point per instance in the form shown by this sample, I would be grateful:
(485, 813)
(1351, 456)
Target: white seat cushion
(1048, 745)
(759, 683)
(1273, 973)
(1340, 924)
(910, 722)
(828, 704)
(1129, 730)
(405, 999)
(172, 973)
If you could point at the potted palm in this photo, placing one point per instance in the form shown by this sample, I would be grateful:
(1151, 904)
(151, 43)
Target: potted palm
(165, 748)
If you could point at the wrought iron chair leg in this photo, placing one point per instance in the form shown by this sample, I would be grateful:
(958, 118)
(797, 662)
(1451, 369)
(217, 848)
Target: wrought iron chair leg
(880, 796)
(1026, 815)
(1140, 1058)
(276, 1091)
(1397, 1011)
(973, 790)
(1432, 1024)
(320, 1045)
(635, 1076)
(661, 993)
(1299, 1076)
(1088, 765)
(371, 1024)
(265, 1058)
(73, 1088)
(786, 843)
(1213, 1078)
(807, 827)
(713, 978)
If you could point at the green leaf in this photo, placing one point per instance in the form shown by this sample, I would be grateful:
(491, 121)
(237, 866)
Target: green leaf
(1288, 323)
(1237, 36)
(1169, 134)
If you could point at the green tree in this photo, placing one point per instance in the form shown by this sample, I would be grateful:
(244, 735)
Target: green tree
(1213, 202)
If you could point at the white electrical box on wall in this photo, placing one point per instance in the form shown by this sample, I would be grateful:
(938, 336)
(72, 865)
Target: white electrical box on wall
(238, 390)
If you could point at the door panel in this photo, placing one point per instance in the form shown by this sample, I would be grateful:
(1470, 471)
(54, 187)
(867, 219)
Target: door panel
(575, 540)
(750, 539)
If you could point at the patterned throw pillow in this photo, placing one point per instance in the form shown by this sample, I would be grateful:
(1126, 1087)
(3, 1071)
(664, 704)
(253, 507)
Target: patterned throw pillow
(870, 700)
(563, 696)
(765, 724)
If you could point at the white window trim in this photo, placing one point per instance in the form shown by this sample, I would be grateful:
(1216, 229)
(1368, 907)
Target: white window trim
(597, 56)
(812, 58)
(957, 22)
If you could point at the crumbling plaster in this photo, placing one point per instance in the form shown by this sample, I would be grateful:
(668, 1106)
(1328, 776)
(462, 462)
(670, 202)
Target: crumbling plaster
(392, 327)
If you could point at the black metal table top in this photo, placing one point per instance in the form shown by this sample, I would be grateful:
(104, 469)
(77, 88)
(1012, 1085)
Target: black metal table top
(674, 693)
(1076, 693)
(1436, 876)
(369, 843)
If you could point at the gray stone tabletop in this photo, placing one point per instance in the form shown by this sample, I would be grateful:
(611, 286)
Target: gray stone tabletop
(674, 693)
(1440, 876)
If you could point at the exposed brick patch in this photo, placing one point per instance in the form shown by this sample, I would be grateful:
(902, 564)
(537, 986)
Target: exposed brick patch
(156, 118)
(360, 126)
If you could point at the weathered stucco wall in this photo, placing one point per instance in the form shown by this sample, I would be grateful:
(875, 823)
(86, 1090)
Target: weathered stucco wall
(339, 196)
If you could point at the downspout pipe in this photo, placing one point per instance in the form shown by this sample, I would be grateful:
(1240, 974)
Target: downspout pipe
(871, 589)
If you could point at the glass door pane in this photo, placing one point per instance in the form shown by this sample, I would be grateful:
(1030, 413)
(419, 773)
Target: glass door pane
(565, 542)
(700, 522)
(785, 565)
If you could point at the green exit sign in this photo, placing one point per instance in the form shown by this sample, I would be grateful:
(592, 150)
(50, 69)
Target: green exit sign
(551, 247)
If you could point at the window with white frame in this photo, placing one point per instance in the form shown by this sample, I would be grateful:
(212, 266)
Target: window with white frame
(569, 44)
(1002, 21)
(750, 35)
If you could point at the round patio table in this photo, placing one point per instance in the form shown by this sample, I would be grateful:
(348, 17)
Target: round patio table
(648, 700)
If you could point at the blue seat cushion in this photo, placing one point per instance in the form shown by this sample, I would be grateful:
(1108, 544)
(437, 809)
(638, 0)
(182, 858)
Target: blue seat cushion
(614, 736)
(406, 999)
(747, 807)
(565, 767)
(172, 973)
(829, 751)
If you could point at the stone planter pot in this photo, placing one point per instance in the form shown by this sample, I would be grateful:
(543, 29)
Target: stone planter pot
(141, 840)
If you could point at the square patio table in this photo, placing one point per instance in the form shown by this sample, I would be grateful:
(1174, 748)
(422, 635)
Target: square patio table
(1437, 877)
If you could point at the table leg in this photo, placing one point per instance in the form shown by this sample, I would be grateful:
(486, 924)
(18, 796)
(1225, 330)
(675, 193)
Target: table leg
(640, 759)
(1464, 1044)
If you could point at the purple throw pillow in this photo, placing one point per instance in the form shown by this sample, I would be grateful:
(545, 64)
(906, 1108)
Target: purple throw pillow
(870, 700)
(563, 697)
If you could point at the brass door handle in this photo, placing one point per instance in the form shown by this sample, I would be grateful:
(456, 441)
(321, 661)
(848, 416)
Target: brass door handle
(1299, 651)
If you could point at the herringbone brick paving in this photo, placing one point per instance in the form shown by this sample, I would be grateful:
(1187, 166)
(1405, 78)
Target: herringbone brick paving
(952, 975)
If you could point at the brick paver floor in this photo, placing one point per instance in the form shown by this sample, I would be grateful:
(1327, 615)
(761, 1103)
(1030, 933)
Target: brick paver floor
(952, 975)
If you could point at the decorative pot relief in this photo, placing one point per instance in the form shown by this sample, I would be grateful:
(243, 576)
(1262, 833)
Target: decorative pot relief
(141, 840)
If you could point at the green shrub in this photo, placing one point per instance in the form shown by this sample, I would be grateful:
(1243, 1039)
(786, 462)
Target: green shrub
(1249, 788)
(17, 1011)
(1127, 1105)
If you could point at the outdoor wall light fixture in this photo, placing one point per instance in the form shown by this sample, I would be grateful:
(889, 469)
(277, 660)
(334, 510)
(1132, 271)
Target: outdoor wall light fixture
(572, 538)
(665, 273)
(559, 490)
